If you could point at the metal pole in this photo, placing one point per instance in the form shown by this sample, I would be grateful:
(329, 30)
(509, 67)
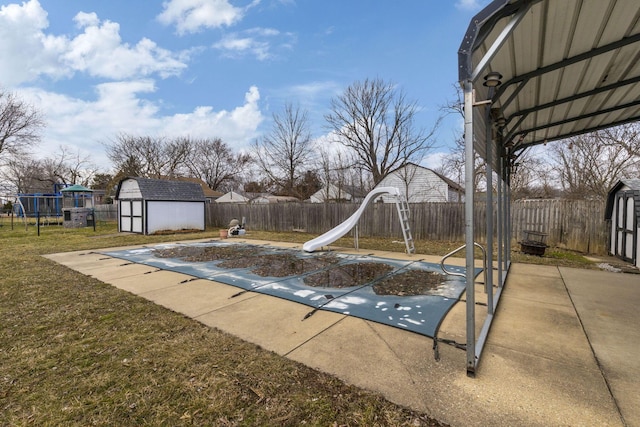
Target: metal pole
(356, 244)
(507, 207)
(489, 171)
(468, 211)
(500, 221)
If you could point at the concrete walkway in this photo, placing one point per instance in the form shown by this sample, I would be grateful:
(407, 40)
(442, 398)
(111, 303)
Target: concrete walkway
(562, 349)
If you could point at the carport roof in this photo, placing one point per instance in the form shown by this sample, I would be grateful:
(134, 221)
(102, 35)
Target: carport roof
(568, 67)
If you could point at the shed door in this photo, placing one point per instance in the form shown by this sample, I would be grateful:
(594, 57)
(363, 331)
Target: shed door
(625, 227)
(131, 216)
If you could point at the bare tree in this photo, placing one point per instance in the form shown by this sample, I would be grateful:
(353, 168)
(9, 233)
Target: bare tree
(532, 176)
(213, 161)
(588, 165)
(334, 172)
(452, 164)
(69, 167)
(148, 156)
(175, 154)
(25, 174)
(283, 153)
(376, 121)
(129, 154)
(627, 137)
(20, 175)
(20, 125)
(101, 181)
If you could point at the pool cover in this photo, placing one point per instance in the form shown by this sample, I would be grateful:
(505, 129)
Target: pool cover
(420, 313)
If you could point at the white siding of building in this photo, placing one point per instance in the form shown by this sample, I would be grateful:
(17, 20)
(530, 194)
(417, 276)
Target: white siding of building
(332, 193)
(419, 185)
(129, 189)
(172, 215)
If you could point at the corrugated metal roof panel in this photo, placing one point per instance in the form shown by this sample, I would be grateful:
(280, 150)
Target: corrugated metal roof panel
(567, 67)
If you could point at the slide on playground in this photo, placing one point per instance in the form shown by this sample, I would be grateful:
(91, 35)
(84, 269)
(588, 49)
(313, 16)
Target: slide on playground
(342, 229)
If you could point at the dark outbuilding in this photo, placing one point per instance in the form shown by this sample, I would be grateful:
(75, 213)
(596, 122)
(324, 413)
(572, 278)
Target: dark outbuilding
(623, 210)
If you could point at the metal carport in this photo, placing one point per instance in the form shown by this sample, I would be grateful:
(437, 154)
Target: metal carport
(534, 71)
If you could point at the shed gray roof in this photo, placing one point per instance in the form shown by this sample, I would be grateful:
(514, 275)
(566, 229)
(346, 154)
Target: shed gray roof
(633, 184)
(162, 189)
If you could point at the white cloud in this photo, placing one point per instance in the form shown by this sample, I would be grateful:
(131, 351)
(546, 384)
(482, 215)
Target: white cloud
(21, 38)
(237, 46)
(190, 16)
(257, 42)
(84, 19)
(314, 89)
(313, 97)
(236, 127)
(433, 160)
(120, 107)
(98, 51)
(471, 5)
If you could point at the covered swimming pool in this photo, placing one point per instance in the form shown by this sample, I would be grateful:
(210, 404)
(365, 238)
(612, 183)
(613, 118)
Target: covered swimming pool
(412, 295)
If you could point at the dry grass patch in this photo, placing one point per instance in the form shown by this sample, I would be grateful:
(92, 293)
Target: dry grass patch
(75, 351)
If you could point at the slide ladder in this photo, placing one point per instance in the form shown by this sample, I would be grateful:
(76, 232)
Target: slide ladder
(343, 228)
(403, 214)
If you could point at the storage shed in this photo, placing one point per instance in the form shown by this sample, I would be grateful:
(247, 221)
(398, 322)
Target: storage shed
(623, 210)
(150, 205)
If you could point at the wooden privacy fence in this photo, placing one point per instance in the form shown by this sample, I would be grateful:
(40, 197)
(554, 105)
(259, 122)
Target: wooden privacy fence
(573, 224)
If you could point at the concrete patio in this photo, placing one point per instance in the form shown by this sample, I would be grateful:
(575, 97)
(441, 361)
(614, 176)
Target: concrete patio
(562, 349)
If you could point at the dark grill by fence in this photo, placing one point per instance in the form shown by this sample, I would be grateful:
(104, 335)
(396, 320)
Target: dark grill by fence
(574, 224)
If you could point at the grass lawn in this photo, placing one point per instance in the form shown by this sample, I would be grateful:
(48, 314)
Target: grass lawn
(75, 351)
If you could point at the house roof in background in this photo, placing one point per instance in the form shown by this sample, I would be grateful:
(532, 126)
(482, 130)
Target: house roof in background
(208, 192)
(232, 197)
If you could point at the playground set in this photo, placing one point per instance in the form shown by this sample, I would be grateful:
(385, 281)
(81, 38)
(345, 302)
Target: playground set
(71, 205)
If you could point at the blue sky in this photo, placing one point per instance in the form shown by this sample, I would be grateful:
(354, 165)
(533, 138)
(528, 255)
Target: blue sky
(220, 68)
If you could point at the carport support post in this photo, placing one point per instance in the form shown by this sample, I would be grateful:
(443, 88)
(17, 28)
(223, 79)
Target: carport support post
(468, 227)
(500, 221)
(488, 286)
